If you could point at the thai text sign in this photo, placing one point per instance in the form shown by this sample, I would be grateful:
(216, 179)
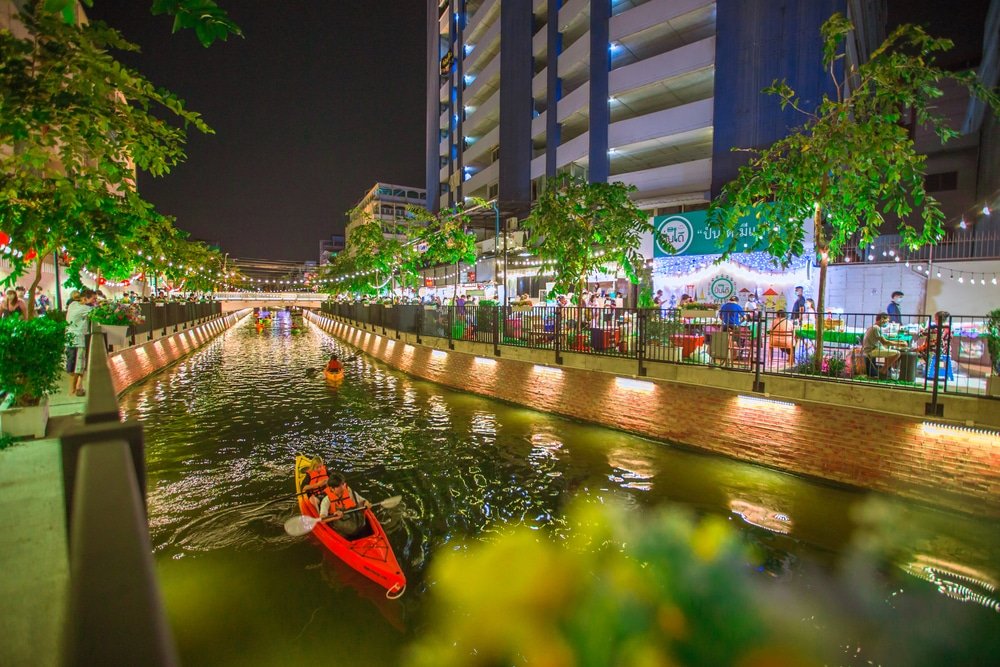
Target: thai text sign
(690, 235)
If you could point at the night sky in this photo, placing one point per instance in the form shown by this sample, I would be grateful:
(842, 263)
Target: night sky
(316, 103)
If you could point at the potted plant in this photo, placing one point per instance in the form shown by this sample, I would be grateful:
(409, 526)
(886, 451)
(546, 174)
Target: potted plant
(31, 366)
(115, 317)
(993, 345)
(661, 331)
(693, 310)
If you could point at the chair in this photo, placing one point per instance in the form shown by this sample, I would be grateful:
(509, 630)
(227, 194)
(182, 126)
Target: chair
(740, 346)
(782, 340)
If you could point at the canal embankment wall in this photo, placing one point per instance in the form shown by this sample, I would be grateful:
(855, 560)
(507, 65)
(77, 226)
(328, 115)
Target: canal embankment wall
(866, 437)
(132, 364)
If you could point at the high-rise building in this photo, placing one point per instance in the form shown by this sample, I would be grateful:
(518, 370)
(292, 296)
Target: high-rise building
(654, 93)
(385, 202)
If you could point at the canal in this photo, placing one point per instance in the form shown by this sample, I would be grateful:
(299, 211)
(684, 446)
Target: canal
(222, 428)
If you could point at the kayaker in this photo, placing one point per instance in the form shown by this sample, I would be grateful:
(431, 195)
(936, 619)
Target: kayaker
(343, 498)
(331, 497)
(334, 365)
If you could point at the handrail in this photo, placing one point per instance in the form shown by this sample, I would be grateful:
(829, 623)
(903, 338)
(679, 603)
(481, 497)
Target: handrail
(115, 614)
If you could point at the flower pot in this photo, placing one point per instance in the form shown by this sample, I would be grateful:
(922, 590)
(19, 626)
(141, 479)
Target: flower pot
(30, 421)
(116, 334)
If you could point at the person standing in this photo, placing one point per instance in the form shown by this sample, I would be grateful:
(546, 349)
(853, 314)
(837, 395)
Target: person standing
(12, 305)
(78, 326)
(731, 313)
(893, 310)
(799, 306)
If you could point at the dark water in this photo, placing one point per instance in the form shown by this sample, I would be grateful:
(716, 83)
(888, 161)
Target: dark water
(222, 428)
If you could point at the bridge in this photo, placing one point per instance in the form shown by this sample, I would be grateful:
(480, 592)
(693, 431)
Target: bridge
(232, 301)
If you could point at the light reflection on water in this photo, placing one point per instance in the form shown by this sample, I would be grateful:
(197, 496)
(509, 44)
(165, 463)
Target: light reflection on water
(222, 428)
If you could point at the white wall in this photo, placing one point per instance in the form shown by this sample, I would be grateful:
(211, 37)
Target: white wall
(946, 293)
(868, 289)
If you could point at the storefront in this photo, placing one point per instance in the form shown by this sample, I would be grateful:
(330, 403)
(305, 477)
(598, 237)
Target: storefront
(693, 269)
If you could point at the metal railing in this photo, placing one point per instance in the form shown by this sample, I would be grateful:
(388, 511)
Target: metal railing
(163, 317)
(115, 614)
(762, 343)
(270, 296)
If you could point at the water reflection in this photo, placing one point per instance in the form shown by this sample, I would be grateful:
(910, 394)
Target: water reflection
(223, 426)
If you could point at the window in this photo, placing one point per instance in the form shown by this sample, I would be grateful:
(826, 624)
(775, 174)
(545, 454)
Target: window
(492, 190)
(939, 182)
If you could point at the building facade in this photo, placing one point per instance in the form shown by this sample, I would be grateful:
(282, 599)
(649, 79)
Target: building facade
(623, 90)
(329, 247)
(386, 202)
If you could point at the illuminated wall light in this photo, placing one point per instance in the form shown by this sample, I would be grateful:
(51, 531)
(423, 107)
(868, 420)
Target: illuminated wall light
(935, 428)
(547, 370)
(486, 361)
(757, 400)
(439, 354)
(634, 385)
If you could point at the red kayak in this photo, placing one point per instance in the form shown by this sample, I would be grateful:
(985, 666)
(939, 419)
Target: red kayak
(371, 554)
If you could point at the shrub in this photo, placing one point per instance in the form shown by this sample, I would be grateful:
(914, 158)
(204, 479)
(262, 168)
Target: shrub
(31, 358)
(117, 313)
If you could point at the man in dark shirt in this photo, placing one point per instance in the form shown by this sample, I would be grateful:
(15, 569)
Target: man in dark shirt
(895, 314)
(799, 306)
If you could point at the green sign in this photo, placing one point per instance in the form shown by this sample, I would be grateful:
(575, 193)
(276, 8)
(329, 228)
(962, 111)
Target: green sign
(690, 235)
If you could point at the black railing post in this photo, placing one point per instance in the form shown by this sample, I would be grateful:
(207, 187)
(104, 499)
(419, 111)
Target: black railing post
(419, 320)
(495, 328)
(758, 335)
(451, 327)
(935, 409)
(557, 330)
(640, 341)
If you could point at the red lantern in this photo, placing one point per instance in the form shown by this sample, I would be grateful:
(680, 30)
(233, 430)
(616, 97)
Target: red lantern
(31, 255)
(125, 283)
(4, 238)
(101, 281)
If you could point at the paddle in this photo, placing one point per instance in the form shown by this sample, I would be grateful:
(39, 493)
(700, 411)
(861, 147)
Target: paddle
(302, 524)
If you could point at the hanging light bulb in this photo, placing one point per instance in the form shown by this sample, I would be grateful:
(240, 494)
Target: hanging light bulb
(962, 224)
(994, 281)
(986, 209)
(961, 279)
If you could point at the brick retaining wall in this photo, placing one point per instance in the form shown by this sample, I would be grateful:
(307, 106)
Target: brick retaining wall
(132, 364)
(890, 453)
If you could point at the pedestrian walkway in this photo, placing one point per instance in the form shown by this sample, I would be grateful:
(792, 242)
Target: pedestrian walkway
(35, 566)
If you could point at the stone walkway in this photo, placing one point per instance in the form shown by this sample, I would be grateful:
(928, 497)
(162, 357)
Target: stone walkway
(34, 568)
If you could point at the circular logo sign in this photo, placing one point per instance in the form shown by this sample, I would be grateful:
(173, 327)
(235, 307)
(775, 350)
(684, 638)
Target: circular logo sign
(722, 287)
(678, 230)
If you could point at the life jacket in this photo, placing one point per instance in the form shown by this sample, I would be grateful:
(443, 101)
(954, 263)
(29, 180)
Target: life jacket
(314, 476)
(334, 366)
(342, 504)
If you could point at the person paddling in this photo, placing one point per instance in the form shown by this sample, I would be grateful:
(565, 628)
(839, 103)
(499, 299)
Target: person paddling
(334, 365)
(332, 498)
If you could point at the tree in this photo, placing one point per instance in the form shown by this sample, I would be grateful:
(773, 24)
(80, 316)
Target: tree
(581, 228)
(374, 254)
(445, 237)
(852, 163)
(78, 124)
(209, 21)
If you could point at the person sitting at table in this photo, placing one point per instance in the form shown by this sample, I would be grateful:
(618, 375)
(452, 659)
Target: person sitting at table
(731, 313)
(782, 335)
(876, 346)
(929, 335)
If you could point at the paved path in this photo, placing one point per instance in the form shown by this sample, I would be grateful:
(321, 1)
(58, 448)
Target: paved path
(34, 568)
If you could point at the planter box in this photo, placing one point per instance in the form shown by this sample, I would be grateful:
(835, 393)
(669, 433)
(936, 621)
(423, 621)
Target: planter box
(30, 421)
(117, 334)
(698, 313)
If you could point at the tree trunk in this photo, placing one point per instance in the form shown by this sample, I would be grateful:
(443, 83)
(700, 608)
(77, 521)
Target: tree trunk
(824, 259)
(30, 296)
